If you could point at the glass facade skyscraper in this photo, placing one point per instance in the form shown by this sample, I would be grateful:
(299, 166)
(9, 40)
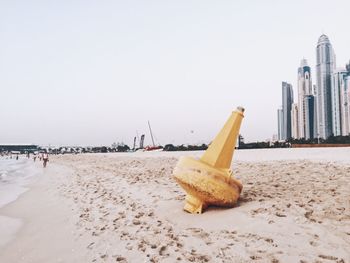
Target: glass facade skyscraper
(304, 89)
(325, 63)
(338, 102)
(309, 102)
(287, 101)
(280, 123)
(345, 102)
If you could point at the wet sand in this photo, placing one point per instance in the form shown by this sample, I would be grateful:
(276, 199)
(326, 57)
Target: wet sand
(128, 208)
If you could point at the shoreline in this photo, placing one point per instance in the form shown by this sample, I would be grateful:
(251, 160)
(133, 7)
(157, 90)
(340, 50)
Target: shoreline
(46, 232)
(127, 208)
(17, 182)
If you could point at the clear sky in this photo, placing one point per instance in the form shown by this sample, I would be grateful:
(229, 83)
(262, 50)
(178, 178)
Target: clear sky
(93, 72)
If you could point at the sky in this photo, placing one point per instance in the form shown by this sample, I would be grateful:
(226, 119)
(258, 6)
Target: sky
(94, 72)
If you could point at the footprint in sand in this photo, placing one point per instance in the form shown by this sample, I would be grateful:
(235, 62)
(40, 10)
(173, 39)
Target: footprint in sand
(330, 258)
(119, 258)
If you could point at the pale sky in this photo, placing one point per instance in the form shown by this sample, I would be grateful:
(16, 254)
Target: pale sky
(93, 72)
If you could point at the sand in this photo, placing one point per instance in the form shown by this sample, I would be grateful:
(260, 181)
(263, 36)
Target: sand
(128, 208)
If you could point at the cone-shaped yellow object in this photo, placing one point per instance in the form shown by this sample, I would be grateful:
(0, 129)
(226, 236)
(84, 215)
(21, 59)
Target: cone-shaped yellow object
(209, 181)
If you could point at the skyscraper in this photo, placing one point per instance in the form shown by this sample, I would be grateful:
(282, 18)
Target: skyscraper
(345, 103)
(316, 134)
(287, 101)
(309, 102)
(280, 124)
(325, 63)
(338, 100)
(304, 89)
(346, 130)
(295, 121)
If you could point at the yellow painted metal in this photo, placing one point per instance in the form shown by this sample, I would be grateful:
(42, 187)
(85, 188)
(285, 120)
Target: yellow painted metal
(209, 180)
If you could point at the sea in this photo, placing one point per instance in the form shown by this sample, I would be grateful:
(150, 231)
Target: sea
(15, 175)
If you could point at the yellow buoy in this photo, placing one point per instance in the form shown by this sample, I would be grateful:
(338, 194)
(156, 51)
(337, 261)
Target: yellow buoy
(209, 180)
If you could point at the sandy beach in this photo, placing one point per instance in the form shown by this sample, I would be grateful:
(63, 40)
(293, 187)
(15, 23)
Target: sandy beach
(295, 207)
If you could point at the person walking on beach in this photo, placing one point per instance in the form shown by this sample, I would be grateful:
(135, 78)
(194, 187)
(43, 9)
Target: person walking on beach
(45, 159)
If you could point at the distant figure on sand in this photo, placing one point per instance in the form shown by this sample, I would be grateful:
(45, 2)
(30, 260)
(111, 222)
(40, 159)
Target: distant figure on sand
(17, 156)
(34, 157)
(45, 159)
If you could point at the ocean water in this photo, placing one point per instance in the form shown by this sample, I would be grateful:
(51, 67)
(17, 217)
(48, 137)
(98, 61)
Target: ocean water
(14, 177)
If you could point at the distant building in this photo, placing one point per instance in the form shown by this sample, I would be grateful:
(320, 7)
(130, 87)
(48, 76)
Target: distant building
(22, 148)
(240, 140)
(325, 64)
(304, 89)
(310, 110)
(338, 100)
(295, 121)
(280, 124)
(316, 134)
(345, 103)
(287, 101)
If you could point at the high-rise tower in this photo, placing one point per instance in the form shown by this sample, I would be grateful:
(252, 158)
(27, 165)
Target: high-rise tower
(304, 89)
(280, 124)
(309, 102)
(295, 121)
(345, 102)
(338, 100)
(325, 63)
(287, 101)
(346, 108)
